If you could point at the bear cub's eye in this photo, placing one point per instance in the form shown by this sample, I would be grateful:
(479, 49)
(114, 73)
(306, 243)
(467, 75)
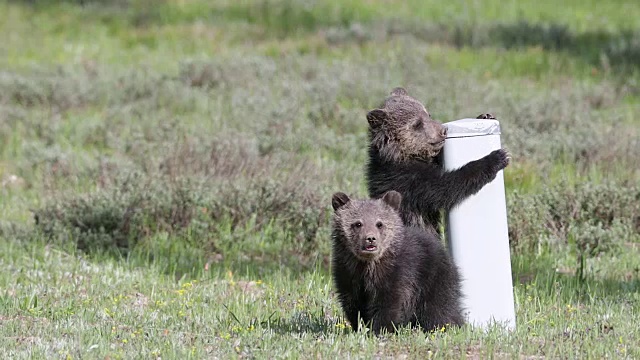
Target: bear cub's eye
(357, 224)
(379, 225)
(418, 125)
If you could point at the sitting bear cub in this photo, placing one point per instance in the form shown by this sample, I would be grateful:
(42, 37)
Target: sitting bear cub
(388, 274)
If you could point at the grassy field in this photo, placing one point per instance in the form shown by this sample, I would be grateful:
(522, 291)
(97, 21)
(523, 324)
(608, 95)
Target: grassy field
(166, 169)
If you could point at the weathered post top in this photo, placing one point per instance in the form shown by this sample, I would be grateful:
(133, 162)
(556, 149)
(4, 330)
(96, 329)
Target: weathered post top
(472, 127)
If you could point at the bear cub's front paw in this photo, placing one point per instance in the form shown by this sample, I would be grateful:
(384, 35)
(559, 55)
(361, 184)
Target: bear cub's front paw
(486, 116)
(500, 158)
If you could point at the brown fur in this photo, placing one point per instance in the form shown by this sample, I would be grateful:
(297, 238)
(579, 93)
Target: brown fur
(403, 156)
(404, 129)
(407, 279)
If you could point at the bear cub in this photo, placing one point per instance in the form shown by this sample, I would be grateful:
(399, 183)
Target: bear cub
(404, 144)
(388, 274)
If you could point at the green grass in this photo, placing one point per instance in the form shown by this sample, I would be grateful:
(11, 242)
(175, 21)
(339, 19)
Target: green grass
(56, 304)
(179, 157)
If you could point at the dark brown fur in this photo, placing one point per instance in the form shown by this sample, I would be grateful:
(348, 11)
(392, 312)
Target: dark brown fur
(403, 156)
(407, 279)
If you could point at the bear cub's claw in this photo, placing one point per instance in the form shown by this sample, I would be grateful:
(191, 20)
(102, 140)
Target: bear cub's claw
(501, 158)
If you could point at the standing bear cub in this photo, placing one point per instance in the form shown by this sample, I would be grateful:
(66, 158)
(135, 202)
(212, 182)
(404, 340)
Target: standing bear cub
(387, 274)
(403, 150)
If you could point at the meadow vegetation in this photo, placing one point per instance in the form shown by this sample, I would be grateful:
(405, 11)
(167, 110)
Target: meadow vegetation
(166, 169)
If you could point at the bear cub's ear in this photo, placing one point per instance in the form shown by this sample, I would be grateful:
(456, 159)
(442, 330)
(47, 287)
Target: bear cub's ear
(339, 200)
(376, 117)
(393, 199)
(399, 91)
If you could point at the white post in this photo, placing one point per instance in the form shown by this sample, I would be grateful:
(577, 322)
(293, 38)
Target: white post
(476, 229)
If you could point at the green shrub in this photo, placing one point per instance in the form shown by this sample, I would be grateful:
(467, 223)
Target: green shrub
(260, 142)
(588, 217)
(118, 218)
(198, 194)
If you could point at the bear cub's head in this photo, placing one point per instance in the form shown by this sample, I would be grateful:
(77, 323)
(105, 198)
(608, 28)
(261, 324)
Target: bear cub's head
(367, 227)
(402, 129)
